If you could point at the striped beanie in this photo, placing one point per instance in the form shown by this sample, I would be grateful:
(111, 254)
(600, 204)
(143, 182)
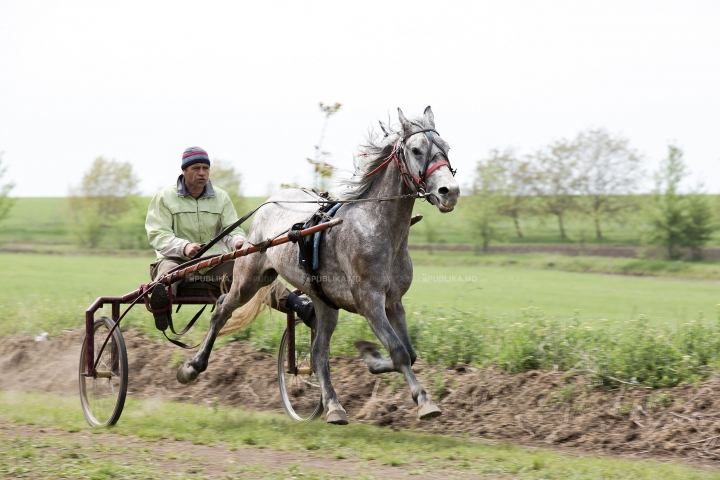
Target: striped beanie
(194, 155)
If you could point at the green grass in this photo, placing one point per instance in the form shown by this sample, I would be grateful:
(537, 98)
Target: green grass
(415, 451)
(51, 292)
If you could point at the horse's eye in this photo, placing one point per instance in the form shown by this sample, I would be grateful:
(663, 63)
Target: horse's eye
(415, 151)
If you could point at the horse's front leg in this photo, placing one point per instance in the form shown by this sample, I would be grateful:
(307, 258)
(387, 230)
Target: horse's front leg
(370, 352)
(401, 356)
(241, 291)
(326, 321)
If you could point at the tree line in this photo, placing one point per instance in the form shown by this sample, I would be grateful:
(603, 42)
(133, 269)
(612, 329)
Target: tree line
(597, 175)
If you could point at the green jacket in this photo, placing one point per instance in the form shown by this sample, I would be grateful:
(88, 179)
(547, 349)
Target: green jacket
(175, 219)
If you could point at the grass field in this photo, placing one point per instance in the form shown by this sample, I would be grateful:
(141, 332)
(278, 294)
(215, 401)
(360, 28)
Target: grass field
(235, 430)
(51, 292)
(656, 331)
(47, 221)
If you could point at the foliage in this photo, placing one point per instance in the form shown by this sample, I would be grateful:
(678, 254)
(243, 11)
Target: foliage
(224, 175)
(678, 220)
(6, 203)
(105, 194)
(323, 170)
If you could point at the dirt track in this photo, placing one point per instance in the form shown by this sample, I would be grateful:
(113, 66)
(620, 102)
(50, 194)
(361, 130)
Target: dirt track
(534, 408)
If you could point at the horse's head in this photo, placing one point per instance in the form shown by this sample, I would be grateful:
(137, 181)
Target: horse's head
(426, 155)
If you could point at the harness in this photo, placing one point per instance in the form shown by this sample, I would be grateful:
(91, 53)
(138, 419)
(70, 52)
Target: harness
(309, 247)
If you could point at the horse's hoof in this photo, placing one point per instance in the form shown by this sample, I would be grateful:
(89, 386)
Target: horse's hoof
(337, 417)
(186, 373)
(428, 410)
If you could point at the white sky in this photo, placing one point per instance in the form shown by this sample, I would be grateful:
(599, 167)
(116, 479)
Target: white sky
(141, 81)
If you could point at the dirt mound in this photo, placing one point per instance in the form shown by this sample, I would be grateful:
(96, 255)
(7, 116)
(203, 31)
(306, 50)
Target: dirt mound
(541, 408)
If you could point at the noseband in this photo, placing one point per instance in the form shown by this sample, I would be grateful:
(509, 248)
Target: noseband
(398, 155)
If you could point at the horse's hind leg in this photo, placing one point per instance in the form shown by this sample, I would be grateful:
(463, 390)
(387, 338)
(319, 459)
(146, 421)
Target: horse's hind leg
(326, 322)
(402, 357)
(241, 291)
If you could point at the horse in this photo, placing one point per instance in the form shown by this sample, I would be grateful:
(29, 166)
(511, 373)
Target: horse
(365, 261)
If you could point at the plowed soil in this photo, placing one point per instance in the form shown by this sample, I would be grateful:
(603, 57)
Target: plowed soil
(536, 408)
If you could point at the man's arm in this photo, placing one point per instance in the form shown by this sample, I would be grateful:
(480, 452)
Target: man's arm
(158, 225)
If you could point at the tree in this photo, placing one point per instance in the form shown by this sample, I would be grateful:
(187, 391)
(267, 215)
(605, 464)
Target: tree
(106, 192)
(510, 181)
(609, 171)
(668, 219)
(486, 200)
(557, 181)
(323, 170)
(6, 202)
(700, 225)
(679, 220)
(225, 176)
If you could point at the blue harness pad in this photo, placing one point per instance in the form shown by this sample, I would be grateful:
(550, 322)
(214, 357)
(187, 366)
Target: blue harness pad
(316, 240)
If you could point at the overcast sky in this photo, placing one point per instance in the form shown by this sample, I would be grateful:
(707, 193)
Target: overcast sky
(141, 81)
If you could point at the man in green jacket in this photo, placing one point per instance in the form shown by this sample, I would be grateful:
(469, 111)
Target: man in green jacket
(184, 216)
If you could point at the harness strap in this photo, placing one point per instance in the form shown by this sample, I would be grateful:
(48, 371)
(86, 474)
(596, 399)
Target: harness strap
(435, 167)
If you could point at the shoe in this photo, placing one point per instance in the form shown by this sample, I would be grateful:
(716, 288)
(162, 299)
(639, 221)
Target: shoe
(306, 312)
(159, 299)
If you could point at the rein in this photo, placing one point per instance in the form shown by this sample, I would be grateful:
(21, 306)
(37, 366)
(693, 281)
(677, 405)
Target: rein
(319, 201)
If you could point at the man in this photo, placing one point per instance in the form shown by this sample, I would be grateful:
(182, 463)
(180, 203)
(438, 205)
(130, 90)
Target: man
(184, 216)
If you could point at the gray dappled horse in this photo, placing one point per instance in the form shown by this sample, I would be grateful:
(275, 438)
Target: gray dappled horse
(365, 260)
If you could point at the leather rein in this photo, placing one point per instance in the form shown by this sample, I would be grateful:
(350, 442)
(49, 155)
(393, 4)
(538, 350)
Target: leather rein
(398, 156)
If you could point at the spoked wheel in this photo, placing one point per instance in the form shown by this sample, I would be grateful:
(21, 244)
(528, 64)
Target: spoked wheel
(300, 390)
(103, 396)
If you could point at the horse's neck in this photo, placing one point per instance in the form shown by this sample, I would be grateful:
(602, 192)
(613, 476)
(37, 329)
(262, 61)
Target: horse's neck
(395, 213)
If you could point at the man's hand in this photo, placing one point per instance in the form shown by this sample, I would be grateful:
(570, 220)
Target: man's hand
(191, 249)
(239, 244)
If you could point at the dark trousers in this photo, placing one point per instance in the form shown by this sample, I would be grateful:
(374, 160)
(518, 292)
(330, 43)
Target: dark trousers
(220, 277)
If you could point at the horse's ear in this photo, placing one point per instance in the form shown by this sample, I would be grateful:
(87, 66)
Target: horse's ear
(404, 122)
(429, 117)
(386, 130)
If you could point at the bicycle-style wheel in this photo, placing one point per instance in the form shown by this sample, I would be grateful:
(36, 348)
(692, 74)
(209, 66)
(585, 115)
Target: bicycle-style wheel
(300, 390)
(103, 396)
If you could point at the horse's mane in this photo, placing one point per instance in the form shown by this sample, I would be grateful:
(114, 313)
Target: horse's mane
(372, 153)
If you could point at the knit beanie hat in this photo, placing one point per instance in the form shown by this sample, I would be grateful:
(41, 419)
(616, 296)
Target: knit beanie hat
(194, 155)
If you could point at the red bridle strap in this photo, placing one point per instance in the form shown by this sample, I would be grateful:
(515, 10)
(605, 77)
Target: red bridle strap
(435, 167)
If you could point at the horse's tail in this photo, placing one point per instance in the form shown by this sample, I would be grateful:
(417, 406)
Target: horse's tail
(244, 316)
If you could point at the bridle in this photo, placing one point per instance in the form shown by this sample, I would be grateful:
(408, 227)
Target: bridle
(398, 155)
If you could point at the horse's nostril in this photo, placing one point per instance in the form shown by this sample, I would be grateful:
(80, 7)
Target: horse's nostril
(443, 190)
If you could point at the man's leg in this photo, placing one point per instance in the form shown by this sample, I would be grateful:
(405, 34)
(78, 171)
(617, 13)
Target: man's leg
(159, 298)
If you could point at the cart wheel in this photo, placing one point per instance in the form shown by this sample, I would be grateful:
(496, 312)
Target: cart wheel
(300, 392)
(103, 396)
